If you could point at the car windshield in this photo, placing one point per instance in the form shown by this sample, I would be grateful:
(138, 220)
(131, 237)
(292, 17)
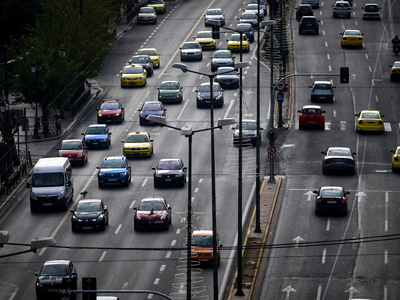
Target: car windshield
(148, 52)
(146, 10)
(236, 37)
(148, 205)
(339, 152)
(213, 12)
(109, 105)
(311, 111)
(88, 207)
(202, 240)
(222, 54)
(226, 72)
(114, 163)
(371, 8)
(47, 179)
(248, 126)
(169, 165)
(368, 115)
(322, 86)
(243, 27)
(71, 146)
(331, 193)
(155, 1)
(54, 270)
(151, 106)
(96, 130)
(169, 86)
(140, 60)
(206, 88)
(137, 138)
(204, 35)
(248, 16)
(134, 70)
(191, 46)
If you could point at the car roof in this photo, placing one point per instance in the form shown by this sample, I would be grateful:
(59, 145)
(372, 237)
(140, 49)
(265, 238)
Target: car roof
(226, 69)
(109, 100)
(202, 232)
(338, 148)
(311, 106)
(331, 188)
(370, 111)
(152, 199)
(170, 159)
(211, 9)
(322, 82)
(71, 140)
(98, 125)
(57, 262)
(152, 102)
(309, 17)
(138, 133)
(207, 83)
(244, 24)
(114, 158)
(89, 201)
(147, 49)
(166, 81)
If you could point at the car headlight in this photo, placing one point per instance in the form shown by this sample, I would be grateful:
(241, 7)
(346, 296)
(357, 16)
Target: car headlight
(80, 154)
(157, 175)
(199, 98)
(101, 174)
(141, 77)
(104, 140)
(100, 218)
(123, 78)
(219, 97)
(33, 196)
(100, 115)
(74, 218)
(163, 217)
(123, 173)
(62, 193)
(138, 217)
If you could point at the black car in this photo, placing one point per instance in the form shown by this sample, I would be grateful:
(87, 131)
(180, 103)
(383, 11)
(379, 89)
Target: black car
(331, 199)
(203, 97)
(49, 279)
(227, 77)
(89, 214)
(247, 29)
(303, 10)
(338, 159)
(144, 61)
(309, 24)
(170, 171)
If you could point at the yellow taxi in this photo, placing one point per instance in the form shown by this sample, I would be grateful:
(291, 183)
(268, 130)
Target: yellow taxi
(137, 144)
(202, 247)
(158, 5)
(352, 38)
(396, 159)
(205, 39)
(395, 71)
(369, 120)
(154, 55)
(133, 75)
(234, 43)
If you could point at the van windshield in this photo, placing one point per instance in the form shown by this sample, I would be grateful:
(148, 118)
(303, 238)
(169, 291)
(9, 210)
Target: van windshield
(47, 179)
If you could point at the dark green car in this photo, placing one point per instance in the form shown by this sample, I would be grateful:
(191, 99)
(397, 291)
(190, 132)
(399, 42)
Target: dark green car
(170, 91)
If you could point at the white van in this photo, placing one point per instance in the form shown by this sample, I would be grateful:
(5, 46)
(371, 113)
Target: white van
(51, 184)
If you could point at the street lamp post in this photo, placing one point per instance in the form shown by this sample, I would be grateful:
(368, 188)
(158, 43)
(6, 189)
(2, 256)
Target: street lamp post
(188, 132)
(36, 67)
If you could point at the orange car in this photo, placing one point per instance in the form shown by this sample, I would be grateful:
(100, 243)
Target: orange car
(202, 247)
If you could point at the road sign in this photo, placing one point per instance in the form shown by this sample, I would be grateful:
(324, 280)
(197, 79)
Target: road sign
(271, 149)
(280, 96)
(271, 155)
(280, 86)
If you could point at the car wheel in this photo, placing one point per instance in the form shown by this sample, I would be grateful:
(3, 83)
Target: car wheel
(316, 212)
(300, 32)
(301, 127)
(33, 208)
(201, 57)
(345, 213)
(73, 229)
(126, 184)
(317, 31)
(323, 171)
(136, 228)
(102, 228)
(100, 184)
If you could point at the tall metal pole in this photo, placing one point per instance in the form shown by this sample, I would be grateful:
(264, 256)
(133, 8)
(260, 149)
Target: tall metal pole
(189, 228)
(258, 142)
(213, 193)
(239, 291)
(271, 161)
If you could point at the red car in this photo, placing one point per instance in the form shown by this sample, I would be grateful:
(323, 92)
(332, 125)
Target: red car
(152, 213)
(75, 150)
(303, 10)
(110, 111)
(312, 116)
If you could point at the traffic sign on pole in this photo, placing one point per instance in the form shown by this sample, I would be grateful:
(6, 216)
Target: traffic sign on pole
(280, 86)
(280, 96)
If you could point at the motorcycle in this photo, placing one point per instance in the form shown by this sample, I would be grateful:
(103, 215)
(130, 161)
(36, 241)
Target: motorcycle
(396, 49)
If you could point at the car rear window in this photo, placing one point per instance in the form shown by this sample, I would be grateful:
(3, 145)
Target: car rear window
(370, 116)
(311, 111)
(331, 193)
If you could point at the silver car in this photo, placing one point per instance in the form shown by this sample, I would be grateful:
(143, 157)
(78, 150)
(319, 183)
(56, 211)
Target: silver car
(249, 17)
(249, 133)
(147, 15)
(322, 91)
(341, 9)
(191, 51)
(371, 11)
(214, 14)
(254, 8)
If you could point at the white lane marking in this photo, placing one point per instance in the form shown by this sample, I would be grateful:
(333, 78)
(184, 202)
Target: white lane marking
(328, 56)
(173, 243)
(132, 204)
(386, 211)
(387, 126)
(328, 224)
(196, 190)
(102, 255)
(376, 98)
(327, 125)
(162, 268)
(168, 254)
(342, 125)
(201, 180)
(326, 44)
(183, 109)
(118, 229)
(386, 257)
(144, 182)
(156, 281)
(323, 256)
(178, 231)
(319, 291)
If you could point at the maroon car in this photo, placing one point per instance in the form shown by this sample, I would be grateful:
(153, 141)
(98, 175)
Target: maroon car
(303, 10)
(110, 111)
(312, 116)
(75, 150)
(152, 213)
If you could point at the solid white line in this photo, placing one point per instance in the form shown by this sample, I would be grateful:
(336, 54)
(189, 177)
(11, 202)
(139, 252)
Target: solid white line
(102, 256)
(118, 228)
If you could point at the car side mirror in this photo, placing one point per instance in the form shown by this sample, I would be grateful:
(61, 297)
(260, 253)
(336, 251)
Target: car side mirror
(184, 168)
(57, 148)
(151, 140)
(323, 152)
(69, 183)
(323, 111)
(72, 211)
(315, 192)
(299, 111)
(36, 273)
(154, 168)
(347, 193)
(382, 116)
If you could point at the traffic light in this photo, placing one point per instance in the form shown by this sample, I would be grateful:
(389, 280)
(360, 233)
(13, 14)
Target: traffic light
(215, 32)
(344, 74)
(271, 135)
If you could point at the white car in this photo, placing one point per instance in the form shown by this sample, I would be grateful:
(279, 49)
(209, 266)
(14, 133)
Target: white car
(191, 51)
(371, 11)
(214, 14)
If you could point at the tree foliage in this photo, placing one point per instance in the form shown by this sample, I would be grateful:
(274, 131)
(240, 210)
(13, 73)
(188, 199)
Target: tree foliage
(71, 47)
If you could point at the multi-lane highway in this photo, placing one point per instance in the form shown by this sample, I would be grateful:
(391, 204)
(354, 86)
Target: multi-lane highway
(163, 271)
(367, 270)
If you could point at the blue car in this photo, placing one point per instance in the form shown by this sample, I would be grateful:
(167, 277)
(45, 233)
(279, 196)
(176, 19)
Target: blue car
(97, 135)
(114, 170)
(155, 108)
